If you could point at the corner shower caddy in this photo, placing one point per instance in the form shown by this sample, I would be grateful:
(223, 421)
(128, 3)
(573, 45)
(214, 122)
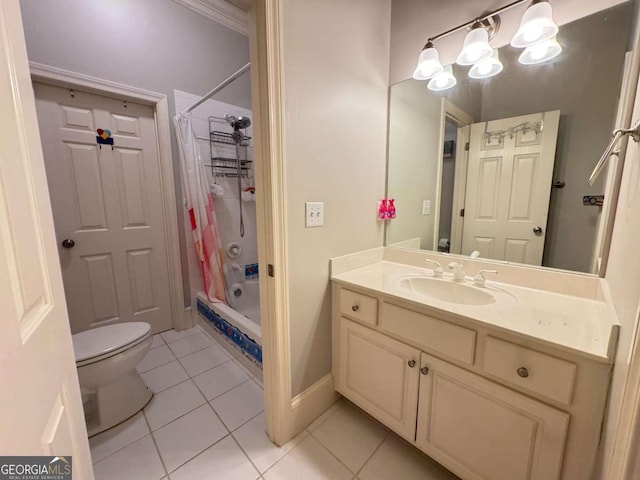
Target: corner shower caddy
(222, 152)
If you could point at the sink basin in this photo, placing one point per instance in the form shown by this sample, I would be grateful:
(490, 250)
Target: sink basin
(448, 291)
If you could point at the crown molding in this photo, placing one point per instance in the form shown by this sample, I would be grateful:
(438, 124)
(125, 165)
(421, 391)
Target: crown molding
(220, 11)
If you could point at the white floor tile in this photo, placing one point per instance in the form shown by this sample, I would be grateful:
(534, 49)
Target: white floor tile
(254, 441)
(165, 376)
(156, 357)
(351, 436)
(223, 461)
(138, 461)
(191, 344)
(171, 335)
(189, 435)
(221, 379)
(326, 414)
(397, 459)
(204, 360)
(172, 403)
(118, 437)
(309, 461)
(239, 405)
(157, 341)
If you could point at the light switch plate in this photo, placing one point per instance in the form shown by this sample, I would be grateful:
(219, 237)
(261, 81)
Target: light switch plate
(426, 207)
(314, 214)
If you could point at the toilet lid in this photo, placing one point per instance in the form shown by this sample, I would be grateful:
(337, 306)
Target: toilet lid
(101, 340)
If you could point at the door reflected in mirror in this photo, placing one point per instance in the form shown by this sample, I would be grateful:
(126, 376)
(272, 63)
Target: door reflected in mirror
(500, 165)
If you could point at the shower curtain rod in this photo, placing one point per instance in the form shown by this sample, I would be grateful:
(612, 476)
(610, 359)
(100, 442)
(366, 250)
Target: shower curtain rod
(215, 90)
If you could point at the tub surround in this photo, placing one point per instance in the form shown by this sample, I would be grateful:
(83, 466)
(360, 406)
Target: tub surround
(528, 374)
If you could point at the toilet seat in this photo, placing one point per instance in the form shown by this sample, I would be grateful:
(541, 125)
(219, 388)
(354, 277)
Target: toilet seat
(99, 343)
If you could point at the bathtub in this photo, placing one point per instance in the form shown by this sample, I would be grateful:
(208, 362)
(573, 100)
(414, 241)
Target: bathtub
(242, 328)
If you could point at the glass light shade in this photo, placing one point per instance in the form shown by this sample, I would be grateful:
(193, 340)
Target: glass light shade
(540, 52)
(443, 80)
(488, 67)
(428, 63)
(536, 26)
(475, 48)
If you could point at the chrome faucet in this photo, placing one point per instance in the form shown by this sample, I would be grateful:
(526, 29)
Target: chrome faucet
(458, 272)
(437, 271)
(480, 280)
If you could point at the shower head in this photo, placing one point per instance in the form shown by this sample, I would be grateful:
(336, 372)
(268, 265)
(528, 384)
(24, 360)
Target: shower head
(238, 122)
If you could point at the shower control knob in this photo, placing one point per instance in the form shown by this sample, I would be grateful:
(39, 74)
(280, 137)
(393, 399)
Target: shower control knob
(68, 243)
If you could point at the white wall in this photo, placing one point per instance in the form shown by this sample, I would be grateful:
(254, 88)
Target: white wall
(415, 124)
(156, 45)
(336, 66)
(413, 21)
(227, 207)
(623, 279)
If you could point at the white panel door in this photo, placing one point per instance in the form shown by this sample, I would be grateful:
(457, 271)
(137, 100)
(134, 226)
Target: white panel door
(483, 431)
(40, 405)
(508, 189)
(380, 375)
(108, 202)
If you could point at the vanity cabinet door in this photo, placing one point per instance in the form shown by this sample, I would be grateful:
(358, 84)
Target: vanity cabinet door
(380, 375)
(483, 431)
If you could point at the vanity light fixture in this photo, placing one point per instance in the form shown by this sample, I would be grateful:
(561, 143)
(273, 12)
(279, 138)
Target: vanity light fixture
(487, 67)
(536, 25)
(428, 63)
(443, 80)
(476, 45)
(540, 52)
(536, 35)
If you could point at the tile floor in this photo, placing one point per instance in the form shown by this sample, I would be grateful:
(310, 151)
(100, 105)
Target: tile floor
(206, 422)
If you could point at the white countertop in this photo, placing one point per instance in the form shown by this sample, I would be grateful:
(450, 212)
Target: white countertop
(584, 326)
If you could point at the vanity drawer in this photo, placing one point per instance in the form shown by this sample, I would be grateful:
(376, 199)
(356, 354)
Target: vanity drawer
(447, 339)
(549, 376)
(358, 306)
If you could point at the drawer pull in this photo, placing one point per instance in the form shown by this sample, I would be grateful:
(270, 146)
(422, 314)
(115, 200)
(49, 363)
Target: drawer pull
(523, 372)
(355, 308)
(424, 370)
(411, 363)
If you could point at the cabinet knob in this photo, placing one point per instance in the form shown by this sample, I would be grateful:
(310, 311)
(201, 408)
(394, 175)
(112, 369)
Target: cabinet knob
(424, 370)
(523, 372)
(411, 363)
(355, 308)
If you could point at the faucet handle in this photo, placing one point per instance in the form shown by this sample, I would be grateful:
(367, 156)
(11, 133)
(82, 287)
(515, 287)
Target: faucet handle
(437, 271)
(480, 280)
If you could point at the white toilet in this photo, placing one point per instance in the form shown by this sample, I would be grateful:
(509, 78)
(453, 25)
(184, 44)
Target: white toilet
(106, 359)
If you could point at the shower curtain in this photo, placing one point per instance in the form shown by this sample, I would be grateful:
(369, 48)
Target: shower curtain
(201, 212)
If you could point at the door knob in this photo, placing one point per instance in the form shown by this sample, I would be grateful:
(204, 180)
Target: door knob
(68, 243)
(537, 230)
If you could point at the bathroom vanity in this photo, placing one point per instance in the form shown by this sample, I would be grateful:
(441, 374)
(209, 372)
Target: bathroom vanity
(498, 382)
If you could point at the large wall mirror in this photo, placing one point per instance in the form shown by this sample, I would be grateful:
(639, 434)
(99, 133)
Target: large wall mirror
(500, 166)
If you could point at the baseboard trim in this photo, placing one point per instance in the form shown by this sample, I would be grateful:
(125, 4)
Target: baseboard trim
(310, 404)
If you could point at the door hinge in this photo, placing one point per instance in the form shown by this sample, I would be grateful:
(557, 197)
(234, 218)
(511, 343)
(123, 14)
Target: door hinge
(462, 212)
(270, 270)
(466, 146)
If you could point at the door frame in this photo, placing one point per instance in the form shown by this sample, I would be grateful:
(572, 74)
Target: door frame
(462, 119)
(64, 78)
